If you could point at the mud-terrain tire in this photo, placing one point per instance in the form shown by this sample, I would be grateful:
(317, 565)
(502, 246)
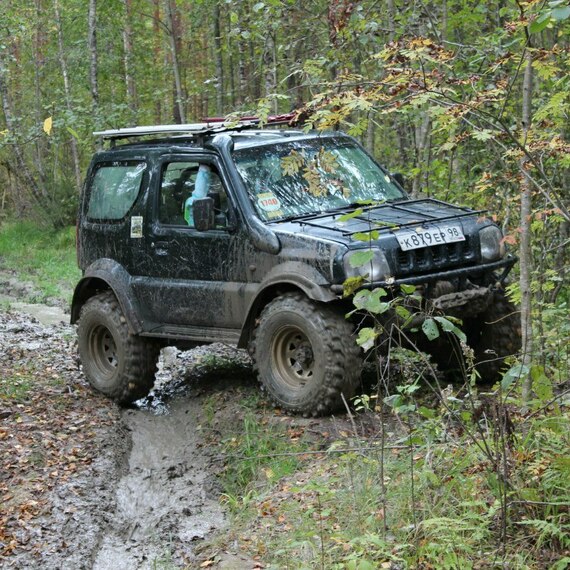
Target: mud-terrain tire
(495, 336)
(115, 362)
(305, 355)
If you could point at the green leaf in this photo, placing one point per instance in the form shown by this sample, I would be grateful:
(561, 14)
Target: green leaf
(259, 6)
(513, 374)
(430, 329)
(402, 312)
(349, 216)
(449, 327)
(366, 338)
(426, 412)
(73, 133)
(483, 135)
(360, 258)
(560, 14)
(407, 289)
(366, 236)
(371, 301)
(537, 26)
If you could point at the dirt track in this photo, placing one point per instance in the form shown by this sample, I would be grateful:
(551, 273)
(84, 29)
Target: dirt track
(120, 489)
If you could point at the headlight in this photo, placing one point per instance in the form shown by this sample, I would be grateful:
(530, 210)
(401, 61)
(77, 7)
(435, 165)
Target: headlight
(376, 269)
(492, 246)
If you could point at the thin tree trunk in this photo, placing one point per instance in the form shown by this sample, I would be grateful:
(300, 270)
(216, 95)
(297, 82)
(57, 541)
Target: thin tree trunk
(93, 58)
(67, 92)
(180, 114)
(269, 68)
(130, 85)
(525, 245)
(157, 56)
(39, 61)
(242, 75)
(220, 86)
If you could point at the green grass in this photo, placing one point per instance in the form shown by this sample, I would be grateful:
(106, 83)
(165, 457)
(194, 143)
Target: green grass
(16, 387)
(44, 257)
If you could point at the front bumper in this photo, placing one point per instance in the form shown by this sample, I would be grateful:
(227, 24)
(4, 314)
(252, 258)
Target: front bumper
(474, 271)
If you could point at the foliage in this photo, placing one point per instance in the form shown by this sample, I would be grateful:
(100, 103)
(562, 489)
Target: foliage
(432, 497)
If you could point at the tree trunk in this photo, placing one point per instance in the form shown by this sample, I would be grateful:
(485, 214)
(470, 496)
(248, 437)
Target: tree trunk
(269, 65)
(180, 112)
(525, 245)
(130, 85)
(66, 92)
(220, 86)
(157, 56)
(92, 43)
(39, 62)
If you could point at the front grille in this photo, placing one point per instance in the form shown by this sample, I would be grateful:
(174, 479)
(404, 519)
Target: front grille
(435, 258)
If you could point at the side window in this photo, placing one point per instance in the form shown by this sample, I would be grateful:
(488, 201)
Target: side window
(177, 184)
(184, 182)
(114, 190)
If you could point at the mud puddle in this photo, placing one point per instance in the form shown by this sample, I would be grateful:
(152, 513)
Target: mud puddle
(147, 496)
(163, 504)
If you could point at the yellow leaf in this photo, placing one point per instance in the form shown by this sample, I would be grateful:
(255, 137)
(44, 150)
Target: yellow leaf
(48, 123)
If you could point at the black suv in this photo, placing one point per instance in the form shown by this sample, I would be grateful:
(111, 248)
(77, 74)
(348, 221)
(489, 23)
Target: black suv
(206, 233)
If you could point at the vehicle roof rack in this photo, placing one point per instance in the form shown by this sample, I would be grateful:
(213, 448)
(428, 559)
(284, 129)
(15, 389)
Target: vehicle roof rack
(211, 125)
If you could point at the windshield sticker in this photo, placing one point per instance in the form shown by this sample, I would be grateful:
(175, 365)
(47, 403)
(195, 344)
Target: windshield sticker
(137, 227)
(268, 202)
(274, 214)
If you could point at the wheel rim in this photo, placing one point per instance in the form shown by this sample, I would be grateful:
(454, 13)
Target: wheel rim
(293, 356)
(103, 351)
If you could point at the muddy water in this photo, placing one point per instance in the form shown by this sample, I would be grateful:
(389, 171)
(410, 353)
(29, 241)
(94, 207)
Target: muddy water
(148, 499)
(162, 502)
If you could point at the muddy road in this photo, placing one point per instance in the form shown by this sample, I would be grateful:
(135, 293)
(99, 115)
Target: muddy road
(85, 484)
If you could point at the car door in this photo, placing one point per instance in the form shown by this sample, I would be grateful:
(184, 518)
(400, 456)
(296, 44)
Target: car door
(192, 278)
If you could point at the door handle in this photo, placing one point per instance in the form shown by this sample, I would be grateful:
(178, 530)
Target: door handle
(160, 247)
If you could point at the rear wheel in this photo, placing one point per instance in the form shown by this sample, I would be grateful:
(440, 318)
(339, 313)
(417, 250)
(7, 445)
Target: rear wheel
(115, 362)
(305, 355)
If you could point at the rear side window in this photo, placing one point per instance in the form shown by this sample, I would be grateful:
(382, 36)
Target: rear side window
(114, 190)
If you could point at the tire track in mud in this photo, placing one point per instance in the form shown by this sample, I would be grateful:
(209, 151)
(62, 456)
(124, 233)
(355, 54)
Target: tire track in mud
(163, 506)
(147, 499)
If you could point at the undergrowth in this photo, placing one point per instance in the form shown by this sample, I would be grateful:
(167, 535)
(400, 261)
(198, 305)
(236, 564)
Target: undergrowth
(43, 256)
(433, 498)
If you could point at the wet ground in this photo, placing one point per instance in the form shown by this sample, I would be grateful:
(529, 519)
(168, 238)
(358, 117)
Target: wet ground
(138, 489)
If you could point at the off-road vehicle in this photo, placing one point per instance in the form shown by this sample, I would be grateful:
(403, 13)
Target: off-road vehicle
(193, 234)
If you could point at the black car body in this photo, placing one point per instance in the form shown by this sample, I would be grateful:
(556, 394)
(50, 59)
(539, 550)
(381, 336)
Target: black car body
(259, 237)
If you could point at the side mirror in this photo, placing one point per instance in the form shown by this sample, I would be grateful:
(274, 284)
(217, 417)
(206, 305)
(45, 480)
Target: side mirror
(203, 212)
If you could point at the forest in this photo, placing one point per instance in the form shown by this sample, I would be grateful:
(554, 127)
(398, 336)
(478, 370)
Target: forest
(468, 99)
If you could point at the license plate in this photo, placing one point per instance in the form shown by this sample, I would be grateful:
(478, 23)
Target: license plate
(427, 237)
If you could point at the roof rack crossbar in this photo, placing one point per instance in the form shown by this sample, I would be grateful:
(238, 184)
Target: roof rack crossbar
(210, 125)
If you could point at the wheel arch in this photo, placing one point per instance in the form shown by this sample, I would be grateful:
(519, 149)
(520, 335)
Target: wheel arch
(106, 275)
(286, 278)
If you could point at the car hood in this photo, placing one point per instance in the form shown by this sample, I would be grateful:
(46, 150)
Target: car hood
(341, 226)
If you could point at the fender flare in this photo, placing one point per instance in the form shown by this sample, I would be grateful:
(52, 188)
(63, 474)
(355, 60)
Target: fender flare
(102, 275)
(288, 276)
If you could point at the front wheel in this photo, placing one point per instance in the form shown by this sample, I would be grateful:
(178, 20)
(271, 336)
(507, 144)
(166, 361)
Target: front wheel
(115, 362)
(305, 355)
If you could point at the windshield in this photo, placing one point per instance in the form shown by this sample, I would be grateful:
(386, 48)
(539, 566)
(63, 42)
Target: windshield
(311, 176)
